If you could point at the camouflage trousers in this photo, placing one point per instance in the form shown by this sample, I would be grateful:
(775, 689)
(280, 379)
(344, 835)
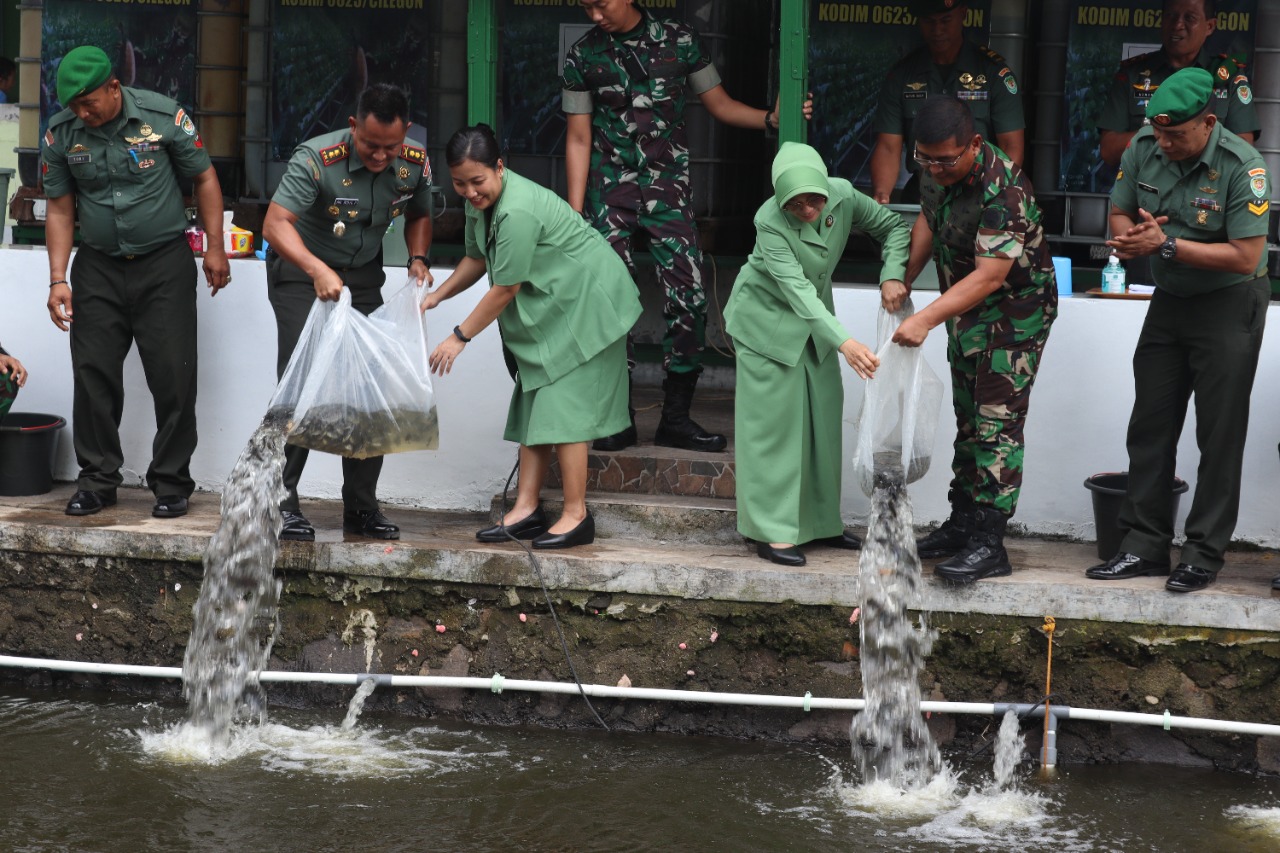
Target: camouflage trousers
(664, 214)
(991, 391)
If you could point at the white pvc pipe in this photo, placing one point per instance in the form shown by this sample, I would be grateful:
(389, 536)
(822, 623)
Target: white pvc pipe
(499, 684)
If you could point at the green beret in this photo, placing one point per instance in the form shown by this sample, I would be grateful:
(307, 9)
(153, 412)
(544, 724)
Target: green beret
(925, 8)
(1181, 97)
(82, 70)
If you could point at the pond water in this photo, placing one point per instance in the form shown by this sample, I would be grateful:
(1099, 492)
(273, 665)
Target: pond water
(84, 771)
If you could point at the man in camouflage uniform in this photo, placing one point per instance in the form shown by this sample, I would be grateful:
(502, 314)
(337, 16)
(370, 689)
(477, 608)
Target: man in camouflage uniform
(112, 159)
(1184, 27)
(626, 83)
(325, 224)
(979, 220)
(1194, 198)
(946, 65)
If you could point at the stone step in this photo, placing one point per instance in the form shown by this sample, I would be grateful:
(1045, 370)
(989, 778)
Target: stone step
(647, 469)
(663, 519)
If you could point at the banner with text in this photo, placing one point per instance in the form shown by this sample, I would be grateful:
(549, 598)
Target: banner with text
(852, 46)
(323, 54)
(151, 42)
(1102, 33)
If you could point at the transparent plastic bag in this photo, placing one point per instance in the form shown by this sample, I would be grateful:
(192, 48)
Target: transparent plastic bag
(360, 386)
(900, 408)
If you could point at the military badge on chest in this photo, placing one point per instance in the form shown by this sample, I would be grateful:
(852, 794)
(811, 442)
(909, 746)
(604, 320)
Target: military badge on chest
(972, 88)
(343, 207)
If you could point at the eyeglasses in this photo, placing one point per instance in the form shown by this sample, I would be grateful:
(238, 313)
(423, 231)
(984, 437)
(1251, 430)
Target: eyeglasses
(812, 201)
(927, 162)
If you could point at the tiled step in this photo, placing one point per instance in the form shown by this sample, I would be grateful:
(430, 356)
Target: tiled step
(647, 469)
(662, 519)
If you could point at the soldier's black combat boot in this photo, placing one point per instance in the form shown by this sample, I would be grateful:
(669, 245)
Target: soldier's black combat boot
(626, 438)
(953, 534)
(984, 556)
(676, 428)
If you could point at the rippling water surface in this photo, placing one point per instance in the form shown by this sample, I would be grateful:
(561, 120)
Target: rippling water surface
(85, 772)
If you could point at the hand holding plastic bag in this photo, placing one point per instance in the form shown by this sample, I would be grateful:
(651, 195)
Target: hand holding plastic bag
(359, 386)
(900, 408)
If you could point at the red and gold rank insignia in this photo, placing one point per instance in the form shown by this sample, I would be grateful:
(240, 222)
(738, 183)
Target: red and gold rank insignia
(335, 153)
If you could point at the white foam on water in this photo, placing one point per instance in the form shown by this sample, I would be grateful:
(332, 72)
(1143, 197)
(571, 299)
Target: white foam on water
(322, 750)
(1257, 821)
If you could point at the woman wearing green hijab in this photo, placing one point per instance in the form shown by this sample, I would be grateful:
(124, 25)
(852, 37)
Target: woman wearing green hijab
(790, 395)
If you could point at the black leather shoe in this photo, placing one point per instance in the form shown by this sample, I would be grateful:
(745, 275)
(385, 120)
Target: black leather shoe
(531, 526)
(847, 540)
(583, 534)
(169, 506)
(1189, 578)
(782, 556)
(85, 502)
(369, 522)
(296, 528)
(1125, 565)
(618, 441)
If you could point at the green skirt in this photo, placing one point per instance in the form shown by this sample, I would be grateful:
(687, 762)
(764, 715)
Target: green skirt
(587, 403)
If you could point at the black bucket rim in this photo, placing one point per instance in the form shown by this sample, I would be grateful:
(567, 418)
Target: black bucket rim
(47, 422)
(1180, 486)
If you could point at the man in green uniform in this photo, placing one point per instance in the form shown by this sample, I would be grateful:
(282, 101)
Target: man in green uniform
(1184, 27)
(980, 222)
(1193, 197)
(114, 156)
(945, 66)
(325, 224)
(627, 164)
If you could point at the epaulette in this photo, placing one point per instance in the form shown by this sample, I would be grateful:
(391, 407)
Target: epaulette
(1136, 60)
(413, 154)
(335, 153)
(992, 55)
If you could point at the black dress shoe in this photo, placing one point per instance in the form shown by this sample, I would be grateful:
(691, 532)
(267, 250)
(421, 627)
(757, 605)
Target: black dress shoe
(1189, 578)
(531, 526)
(782, 556)
(369, 522)
(1125, 565)
(169, 506)
(619, 440)
(296, 528)
(85, 502)
(847, 540)
(583, 534)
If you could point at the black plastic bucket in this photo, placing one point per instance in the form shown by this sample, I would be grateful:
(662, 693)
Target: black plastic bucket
(27, 445)
(1108, 494)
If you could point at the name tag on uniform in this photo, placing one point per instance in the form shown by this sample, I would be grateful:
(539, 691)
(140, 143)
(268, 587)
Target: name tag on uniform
(347, 202)
(77, 159)
(914, 96)
(1148, 188)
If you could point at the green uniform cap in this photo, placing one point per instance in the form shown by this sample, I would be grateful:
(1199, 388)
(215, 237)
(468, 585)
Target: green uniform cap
(798, 169)
(82, 70)
(1181, 97)
(925, 8)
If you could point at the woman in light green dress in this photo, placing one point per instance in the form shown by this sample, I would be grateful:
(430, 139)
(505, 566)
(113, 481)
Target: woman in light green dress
(564, 302)
(790, 396)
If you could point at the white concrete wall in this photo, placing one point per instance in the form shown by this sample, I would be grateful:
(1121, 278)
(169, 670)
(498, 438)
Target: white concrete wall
(1079, 410)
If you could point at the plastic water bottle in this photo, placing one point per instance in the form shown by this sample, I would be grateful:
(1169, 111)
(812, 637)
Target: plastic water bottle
(1113, 275)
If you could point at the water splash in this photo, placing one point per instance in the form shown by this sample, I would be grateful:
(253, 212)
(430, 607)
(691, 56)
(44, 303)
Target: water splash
(1009, 747)
(235, 619)
(356, 705)
(891, 743)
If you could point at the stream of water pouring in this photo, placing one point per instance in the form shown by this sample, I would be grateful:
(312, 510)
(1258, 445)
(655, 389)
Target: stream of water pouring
(235, 620)
(891, 743)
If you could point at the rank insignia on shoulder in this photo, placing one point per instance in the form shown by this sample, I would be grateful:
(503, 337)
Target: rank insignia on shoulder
(412, 154)
(1259, 209)
(335, 153)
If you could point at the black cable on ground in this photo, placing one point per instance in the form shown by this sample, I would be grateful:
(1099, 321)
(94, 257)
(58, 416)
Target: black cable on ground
(546, 594)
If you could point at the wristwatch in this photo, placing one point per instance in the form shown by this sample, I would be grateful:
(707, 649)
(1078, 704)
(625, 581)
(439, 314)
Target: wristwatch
(1169, 248)
(426, 259)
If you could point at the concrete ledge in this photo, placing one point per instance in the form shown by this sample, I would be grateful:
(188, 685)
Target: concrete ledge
(1048, 579)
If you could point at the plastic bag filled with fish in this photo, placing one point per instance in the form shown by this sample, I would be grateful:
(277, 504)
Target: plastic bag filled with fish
(899, 411)
(359, 386)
